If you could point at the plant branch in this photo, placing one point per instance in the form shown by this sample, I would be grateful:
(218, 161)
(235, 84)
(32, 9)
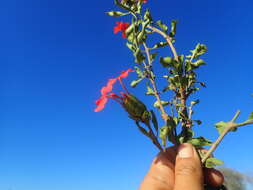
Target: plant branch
(231, 125)
(152, 80)
(168, 39)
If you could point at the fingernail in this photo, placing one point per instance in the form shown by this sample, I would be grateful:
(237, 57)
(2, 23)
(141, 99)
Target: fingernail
(185, 151)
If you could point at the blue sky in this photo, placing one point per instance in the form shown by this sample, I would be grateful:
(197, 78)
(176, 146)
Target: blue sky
(56, 55)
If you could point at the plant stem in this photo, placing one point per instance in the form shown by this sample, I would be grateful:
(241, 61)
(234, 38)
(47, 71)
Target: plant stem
(168, 39)
(152, 80)
(228, 128)
(154, 138)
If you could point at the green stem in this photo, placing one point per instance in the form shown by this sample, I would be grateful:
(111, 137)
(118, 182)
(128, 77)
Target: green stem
(228, 128)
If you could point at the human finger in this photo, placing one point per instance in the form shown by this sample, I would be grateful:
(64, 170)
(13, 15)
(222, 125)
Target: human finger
(188, 169)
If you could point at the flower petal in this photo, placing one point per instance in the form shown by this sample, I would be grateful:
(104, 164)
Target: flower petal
(124, 74)
(108, 88)
(101, 103)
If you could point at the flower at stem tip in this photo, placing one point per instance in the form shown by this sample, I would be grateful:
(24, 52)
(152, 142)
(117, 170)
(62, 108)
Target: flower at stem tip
(121, 27)
(134, 107)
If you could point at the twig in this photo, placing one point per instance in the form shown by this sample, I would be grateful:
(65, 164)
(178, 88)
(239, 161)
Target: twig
(168, 39)
(152, 80)
(228, 128)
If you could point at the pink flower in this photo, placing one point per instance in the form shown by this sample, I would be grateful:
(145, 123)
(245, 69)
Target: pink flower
(106, 91)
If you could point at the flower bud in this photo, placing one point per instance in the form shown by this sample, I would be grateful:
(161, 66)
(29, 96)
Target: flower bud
(135, 108)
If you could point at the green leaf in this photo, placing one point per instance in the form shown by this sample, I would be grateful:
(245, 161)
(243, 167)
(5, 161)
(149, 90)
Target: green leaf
(147, 16)
(164, 103)
(164, 133)
(153, 56)
(159, 45)
(198, 63)
(162, 26)
(134, 83)
(131, 46)
(220, 126)
(199, 50)
(251, 116)
(193, 103)
(167, 61)
(143, 131)
(154, 120)
(173, 28)
(139, 72)
(200, 141)
(212, 162)
(116, 13)
(139, 57)
(150, 91)
(199, 122)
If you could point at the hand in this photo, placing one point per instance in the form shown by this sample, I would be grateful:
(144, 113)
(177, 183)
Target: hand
(179, 169)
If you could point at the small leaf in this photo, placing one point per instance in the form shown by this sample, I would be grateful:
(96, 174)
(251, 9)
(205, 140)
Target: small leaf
(198, 63)
(131, 46)
(200, 141)
(116, 13)
(212, 162)
(251, 116)
(143, 131)
(159, 45)
(164, 132)
(139, 72)
(199, 50)
(167, 61)
(154, 120)
(220, 126)
(173, 28)
(153, 56)
(199, 122)
(193, 103)
(150, 91)
(139, 57)
(134, 83)
(164, 103)
(162, 26)
(203, 84)
(147, 16)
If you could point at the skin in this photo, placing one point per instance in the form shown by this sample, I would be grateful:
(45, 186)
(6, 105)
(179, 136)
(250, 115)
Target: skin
(179, 169)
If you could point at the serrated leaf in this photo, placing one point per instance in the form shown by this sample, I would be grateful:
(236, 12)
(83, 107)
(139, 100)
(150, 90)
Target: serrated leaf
(154, 120)
(162, 26)
(212, 162)
(200, 141)
(251, 116)
(164, 103)
(134, 83)
(220, 126)
(116, 13)
(150, 91)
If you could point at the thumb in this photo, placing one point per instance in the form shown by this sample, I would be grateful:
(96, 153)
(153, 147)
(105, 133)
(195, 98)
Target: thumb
(188, 169)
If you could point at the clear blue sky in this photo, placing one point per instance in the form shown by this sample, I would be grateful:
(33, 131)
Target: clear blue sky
(55, 56)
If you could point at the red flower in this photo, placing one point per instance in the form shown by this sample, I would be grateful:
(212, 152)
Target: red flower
(106, 91)
(121, 26)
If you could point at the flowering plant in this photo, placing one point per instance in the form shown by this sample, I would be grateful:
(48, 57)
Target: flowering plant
(181, 79)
